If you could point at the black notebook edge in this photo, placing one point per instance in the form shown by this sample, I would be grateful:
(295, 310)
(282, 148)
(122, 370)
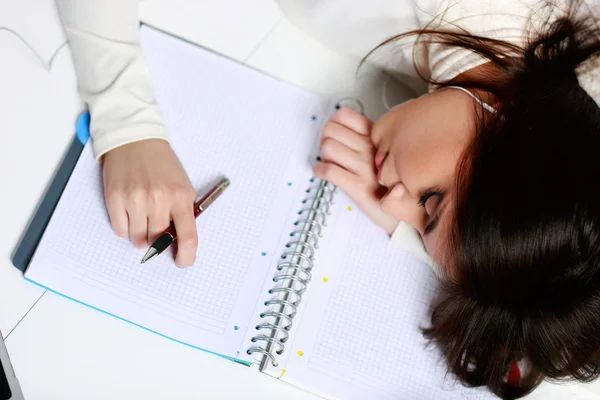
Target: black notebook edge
(33, 234)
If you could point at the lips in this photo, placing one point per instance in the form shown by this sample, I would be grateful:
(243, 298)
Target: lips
(379, 160)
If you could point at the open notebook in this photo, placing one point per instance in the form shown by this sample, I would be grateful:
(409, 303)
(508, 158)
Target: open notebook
(290, 278)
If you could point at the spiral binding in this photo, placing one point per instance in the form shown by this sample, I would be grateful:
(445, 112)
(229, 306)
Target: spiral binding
(294, 274)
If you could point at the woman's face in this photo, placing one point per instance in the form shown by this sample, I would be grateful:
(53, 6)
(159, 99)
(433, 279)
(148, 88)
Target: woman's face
(419, 144)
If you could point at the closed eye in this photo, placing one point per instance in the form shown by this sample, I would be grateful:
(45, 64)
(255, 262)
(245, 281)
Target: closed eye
(430, 200)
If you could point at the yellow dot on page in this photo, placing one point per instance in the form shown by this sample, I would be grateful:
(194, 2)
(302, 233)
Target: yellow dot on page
(325, 279)
(349, 208)
(300, 353)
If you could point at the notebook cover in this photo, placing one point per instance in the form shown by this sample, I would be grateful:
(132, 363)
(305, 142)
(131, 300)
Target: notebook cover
(37, 226)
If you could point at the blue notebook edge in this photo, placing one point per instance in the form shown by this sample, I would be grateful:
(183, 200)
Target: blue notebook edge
(34, 232)
(39, 222)
(237, 360)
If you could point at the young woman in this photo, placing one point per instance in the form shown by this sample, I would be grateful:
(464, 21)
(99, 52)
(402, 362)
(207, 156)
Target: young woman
(495, 166)
(497, 170)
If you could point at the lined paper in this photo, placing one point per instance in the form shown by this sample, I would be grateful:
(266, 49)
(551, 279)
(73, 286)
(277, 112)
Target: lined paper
(224, 119)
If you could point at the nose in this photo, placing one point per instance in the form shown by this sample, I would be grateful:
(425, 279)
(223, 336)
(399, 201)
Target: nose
(401, 205)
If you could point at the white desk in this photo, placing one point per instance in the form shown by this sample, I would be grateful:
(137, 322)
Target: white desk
(60, 349)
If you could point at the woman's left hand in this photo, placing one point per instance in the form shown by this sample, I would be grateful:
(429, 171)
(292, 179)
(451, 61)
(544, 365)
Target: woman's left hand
(348, 162)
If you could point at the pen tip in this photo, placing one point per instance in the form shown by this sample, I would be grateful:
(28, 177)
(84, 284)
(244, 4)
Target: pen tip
(149, 254)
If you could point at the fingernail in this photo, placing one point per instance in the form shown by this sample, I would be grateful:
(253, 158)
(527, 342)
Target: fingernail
(184, 264)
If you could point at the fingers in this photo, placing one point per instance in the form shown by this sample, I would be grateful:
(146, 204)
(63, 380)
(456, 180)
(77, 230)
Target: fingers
(335, 152)
(145, 186)
(337, 175)
(345, 141)
(348, 162)
(128, 216)
(138, 225)
(357, 142)
(158, 217)
(185, 226)
(142, 215)
(353, 120)
(356, 188)
(117, 214)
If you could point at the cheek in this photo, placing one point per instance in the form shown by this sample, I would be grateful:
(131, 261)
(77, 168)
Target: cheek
(386, 127)
(438, 256)
(426, 158)
(437, 246)
(431, 245)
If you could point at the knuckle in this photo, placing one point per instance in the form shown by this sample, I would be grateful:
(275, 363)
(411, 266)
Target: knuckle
(160, 191)
(189, 241)
(114, 195)
(327, 147)
(180, 194)
(137, 195)
(148, 192)
(329, 128)
(156, 195)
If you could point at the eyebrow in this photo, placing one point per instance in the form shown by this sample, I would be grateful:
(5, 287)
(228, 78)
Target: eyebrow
(433, 224)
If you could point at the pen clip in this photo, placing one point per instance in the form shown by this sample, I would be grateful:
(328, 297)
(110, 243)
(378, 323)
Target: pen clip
(212, 195)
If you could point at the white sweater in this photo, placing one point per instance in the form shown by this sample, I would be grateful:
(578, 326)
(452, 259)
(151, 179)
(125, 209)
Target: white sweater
(117, 86)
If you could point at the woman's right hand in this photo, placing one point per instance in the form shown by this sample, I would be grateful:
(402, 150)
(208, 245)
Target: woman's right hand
(348, 162)
(146, 187)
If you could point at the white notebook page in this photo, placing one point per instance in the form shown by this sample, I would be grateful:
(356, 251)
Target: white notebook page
(357, 335)
(224, 120)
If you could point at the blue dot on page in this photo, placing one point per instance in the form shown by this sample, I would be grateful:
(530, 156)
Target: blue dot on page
(236, 328)
(263, 253)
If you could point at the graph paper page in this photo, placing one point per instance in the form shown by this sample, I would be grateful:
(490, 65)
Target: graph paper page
(358, 330)
(224, 119)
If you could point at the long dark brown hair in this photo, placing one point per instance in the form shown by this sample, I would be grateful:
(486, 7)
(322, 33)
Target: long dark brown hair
(525, 242)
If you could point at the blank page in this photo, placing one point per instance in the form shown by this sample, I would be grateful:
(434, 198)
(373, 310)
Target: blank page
(358, 330)
(224, 119)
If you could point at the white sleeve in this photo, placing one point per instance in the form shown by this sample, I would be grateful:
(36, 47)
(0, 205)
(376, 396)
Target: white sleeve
(113, 79)
(507, 20)
(504, 20)
(589, 72)
(409, 239)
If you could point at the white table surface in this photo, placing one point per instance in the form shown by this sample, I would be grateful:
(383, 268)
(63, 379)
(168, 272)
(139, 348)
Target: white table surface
(63, 350)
